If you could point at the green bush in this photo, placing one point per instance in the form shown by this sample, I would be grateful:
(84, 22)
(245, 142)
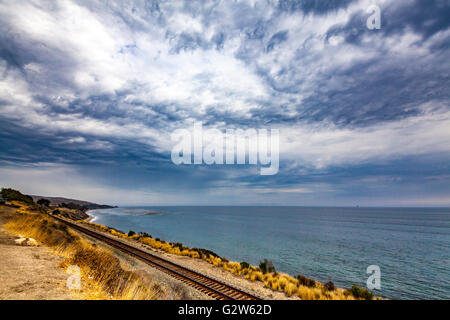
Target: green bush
(360, 293)
(11, 194)
(179, 245)
(144, 234)
(206, 253)
(43, 202)
(131, 233)
(73, 206)
(329, 286)
(266, 266)
(245, 265)
(305, 281)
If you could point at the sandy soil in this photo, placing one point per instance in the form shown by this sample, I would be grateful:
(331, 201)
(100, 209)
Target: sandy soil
(29, 273)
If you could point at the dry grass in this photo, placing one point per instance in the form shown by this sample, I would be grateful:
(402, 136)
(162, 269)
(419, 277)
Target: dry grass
(275, 281)
(101, 272)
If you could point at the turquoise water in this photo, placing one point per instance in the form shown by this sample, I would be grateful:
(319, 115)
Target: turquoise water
(410, 245)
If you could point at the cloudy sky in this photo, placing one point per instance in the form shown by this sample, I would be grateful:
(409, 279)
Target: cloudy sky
(90, 92)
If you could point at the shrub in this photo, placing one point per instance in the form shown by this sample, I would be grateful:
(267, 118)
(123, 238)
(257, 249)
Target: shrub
(144, 234)
(12, 194)
(56, 212)
(360, 293)
(290, 289)
(266, 266)
(244, 265)
(73, 206)
(179, 245)
(329, 286)
(205, 253)
(305, 281)
(43, 202)
(131, 233)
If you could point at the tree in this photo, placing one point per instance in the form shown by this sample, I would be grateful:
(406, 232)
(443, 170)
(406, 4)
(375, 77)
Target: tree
(73, 206)
(11, 194)
(43, 202)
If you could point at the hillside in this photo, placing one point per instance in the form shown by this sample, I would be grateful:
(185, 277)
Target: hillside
(60, 200)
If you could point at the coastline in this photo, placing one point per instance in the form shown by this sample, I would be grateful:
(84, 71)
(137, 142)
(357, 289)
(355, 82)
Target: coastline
(253, 279)
(212, 270)
(90, 218)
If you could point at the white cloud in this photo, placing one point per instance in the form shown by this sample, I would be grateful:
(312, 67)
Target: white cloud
(319, 146)
(76, 140)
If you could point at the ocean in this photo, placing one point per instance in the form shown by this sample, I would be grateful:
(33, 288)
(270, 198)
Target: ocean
(410, 245)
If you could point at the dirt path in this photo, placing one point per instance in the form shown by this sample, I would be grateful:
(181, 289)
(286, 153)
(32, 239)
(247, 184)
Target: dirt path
(29, 273)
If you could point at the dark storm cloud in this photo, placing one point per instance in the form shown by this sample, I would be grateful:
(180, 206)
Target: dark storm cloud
(392, 91)
(420, 16)
(276, 39)
(314, 6)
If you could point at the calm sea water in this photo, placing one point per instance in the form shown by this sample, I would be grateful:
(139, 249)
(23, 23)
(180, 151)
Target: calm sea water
(410, 245)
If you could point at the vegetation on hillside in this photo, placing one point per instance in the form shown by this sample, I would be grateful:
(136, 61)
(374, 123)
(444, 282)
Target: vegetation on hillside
(43, 202)
(73, 206)
(11, 194)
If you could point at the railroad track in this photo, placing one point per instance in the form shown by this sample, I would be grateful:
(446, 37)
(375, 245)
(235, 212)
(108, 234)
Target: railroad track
(205, 284)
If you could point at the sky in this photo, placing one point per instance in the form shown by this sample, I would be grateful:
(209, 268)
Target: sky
(91, 91)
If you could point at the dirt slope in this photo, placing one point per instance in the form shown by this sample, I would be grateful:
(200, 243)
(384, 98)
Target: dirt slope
(29, 273)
